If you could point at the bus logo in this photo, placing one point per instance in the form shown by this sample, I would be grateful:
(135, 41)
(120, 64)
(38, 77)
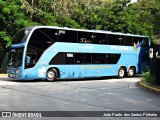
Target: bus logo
(138, 45)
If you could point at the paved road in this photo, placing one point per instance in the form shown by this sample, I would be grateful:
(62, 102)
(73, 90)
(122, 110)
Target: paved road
(107, 94)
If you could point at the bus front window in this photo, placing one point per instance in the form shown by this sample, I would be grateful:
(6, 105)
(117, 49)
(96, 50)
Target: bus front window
(16, 56)
(21, 35)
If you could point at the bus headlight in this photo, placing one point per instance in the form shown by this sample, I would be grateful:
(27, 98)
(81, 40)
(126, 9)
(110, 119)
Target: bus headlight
(18, 71)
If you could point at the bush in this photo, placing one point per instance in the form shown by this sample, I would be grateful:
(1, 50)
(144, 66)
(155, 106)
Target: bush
(149, 78)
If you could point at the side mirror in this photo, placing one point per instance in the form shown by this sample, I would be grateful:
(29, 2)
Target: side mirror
(151, 53)
(28, 60)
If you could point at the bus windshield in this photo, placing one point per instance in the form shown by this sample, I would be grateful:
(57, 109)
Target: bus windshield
(21, 35)
(16, 56)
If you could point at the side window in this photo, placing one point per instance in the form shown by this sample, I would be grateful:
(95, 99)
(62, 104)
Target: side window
(137, 40)
(128, 40)
(58, 59)
(67, 36)
(142, 41)
(82, 58)
(100, 38)
(31, 58)
(85, 37)
(42, 38)
(114, 39)
(98, 58)
(113, 58)
(69, 58)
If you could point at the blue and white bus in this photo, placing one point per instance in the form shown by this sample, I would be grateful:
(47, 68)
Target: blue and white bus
(47, 52)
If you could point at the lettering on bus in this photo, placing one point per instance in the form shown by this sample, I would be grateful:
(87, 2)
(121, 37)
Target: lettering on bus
(95, 67)
(84, 40)
(85, 47)
(122, 48)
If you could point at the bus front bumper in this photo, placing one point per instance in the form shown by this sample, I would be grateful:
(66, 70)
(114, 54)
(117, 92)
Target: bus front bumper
(14, 73)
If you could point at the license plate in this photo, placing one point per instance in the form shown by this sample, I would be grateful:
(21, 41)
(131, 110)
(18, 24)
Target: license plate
(12, 75)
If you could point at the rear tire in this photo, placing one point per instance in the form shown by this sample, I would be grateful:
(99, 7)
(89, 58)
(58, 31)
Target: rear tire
(51, 75)
(131, 72)
(121, 72)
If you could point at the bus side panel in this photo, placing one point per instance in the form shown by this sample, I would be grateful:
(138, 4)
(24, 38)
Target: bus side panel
(79, 71)
(91, 70)
(29, 74)
(68, 71)
(107, 70)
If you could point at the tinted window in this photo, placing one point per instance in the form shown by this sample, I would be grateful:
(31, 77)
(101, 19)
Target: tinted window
(128, 40)
(98, 58)
(82, 58)
(137, 39)
(142, 41)
(67, 36)
(101, 58)
(69, 58)
(21, 35)
(85, 58)
(100, 38)
(113, 58)
(114, 39)
(58, 59)
(42, 38)
(85, 37)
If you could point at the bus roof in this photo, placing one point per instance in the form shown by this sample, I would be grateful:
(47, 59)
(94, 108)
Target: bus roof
(85, 30)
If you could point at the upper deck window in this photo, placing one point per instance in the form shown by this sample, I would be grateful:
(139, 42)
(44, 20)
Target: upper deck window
(85, 37)
(67, 36)
(42, 38)
(141, 41)
(21, 35)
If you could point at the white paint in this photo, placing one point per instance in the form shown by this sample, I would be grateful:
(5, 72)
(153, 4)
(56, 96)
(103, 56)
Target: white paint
(41, 72)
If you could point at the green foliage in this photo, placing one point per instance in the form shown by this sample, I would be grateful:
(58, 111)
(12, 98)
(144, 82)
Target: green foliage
(149, 78)
(5, 41)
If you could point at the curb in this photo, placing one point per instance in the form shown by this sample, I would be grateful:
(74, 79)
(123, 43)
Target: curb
(148, 87)
(3, 75)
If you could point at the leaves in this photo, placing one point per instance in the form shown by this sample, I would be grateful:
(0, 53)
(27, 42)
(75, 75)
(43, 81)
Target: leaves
(112, 15)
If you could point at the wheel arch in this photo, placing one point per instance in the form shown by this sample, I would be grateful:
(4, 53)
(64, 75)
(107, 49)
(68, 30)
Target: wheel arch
(125, 70)
(132, 66)
(122, 66)
(58, 72)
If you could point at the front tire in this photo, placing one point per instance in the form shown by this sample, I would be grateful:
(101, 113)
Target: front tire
(121, 72)
(51, 75)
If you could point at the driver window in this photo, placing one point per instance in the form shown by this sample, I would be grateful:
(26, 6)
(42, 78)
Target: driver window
(31, 58)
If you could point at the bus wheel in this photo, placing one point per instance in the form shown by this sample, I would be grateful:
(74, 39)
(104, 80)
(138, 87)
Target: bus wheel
(121, 72)
(131, 72)
(51, 75)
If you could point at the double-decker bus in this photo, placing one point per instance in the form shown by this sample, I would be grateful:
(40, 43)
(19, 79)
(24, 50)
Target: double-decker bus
(47, 52)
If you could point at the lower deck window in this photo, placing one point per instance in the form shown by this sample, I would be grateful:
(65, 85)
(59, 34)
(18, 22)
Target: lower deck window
(85, 58)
